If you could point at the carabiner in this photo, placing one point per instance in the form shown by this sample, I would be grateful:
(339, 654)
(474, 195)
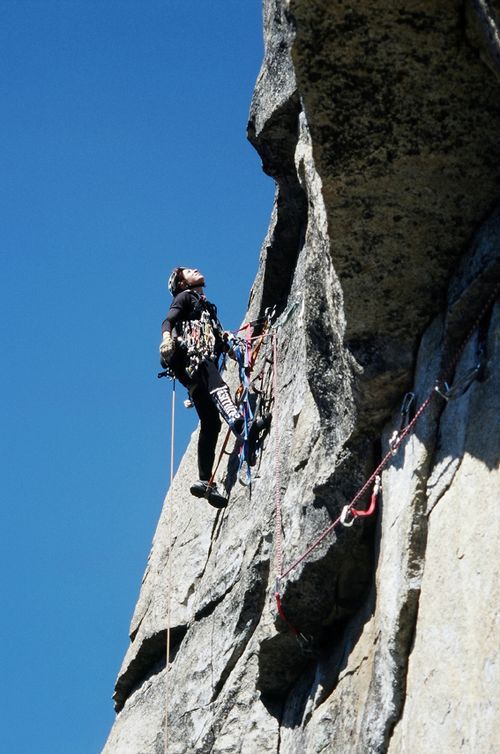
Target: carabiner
(343, 516)
(460, 386)
(307, 646)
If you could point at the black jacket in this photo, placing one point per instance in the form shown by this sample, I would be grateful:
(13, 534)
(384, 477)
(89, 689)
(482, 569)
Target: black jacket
(188, 306)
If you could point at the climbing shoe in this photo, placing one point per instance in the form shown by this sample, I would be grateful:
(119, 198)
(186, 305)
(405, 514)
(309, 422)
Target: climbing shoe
(201, 488)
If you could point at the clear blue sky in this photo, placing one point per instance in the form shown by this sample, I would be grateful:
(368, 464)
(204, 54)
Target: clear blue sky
(122, 153)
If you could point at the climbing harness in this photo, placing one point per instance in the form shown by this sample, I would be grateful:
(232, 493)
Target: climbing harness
(407, 423)
(199, 338)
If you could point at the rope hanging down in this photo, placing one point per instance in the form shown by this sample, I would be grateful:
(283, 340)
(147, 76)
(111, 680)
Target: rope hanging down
(169, 573)
(278, 552)
(350, 512)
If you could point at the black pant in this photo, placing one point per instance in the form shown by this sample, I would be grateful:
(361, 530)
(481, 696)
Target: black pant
(206, 379)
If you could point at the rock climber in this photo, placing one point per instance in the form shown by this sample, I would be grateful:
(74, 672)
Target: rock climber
(193, 340)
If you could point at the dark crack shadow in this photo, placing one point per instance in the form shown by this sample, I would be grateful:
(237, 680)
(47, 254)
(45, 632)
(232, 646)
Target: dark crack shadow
(249, 615)
(149, 661)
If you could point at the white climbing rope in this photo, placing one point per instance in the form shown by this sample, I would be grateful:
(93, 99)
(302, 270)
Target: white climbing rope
(169, 571)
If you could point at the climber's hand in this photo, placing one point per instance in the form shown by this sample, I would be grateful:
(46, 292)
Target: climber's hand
(167, 347)
(230, 341)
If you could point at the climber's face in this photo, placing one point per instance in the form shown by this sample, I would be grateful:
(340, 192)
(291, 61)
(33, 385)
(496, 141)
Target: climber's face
(193, 277)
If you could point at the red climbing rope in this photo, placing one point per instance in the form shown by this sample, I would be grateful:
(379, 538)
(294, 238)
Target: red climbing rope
(359, 494)
(374, 479)
(278, 552)
(281, 612)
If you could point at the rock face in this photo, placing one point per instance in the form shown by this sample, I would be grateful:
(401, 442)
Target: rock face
(379, 123)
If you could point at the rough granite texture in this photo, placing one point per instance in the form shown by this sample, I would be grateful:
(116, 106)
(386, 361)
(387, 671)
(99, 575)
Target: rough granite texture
(380, 125)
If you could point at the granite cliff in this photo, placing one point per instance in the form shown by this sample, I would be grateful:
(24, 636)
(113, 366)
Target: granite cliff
(380, 124)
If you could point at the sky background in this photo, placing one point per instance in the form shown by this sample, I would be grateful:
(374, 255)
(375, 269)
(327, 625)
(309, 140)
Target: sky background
(123, 153)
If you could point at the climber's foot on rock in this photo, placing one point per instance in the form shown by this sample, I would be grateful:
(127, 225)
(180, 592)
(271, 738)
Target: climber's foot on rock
(201, 488)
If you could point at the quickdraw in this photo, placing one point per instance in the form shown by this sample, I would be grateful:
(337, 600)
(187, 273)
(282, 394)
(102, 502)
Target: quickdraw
(350, 510)
(406, 412)
(461, 385)
(407, 423)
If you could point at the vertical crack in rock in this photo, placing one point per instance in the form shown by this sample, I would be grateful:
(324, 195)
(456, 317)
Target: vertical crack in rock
(404, 636)
(286, 234)
(213, 535)
(404, 534)
(320, 602)
(250, 612)
(273, 130)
